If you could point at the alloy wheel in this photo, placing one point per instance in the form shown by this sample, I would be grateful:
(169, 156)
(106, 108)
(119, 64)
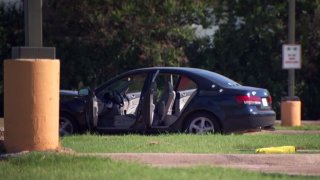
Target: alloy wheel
(201, 125)
(65, 127)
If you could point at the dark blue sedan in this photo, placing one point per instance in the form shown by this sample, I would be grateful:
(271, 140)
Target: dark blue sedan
(170, 99)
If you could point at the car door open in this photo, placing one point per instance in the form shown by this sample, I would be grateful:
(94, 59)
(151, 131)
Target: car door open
(118, 103)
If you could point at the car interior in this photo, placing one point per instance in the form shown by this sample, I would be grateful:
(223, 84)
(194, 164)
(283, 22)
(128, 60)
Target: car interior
(118, 104)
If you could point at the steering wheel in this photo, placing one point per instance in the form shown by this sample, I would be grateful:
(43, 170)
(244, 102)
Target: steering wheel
(117, 97)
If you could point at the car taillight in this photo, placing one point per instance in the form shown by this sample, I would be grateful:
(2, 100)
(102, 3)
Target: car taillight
(250, 100)
(269, 100)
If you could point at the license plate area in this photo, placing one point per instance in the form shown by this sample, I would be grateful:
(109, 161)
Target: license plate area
(264, 102)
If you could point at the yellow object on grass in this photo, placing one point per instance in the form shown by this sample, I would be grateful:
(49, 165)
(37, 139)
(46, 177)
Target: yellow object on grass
(277, 150)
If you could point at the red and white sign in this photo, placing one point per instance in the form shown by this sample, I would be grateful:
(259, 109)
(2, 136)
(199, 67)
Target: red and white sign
(291, 56)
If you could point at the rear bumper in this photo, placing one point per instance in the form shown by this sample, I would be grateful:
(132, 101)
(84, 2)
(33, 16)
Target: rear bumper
(249, 122)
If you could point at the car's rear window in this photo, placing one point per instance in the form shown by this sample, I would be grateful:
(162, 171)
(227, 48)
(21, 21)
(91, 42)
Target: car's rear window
(186, 84)
(218, 79)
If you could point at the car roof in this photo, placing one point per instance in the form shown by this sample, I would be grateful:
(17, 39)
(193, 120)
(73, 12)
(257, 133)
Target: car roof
(204, 78)
(195, 73)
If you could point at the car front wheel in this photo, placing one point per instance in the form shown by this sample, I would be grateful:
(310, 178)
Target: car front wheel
(66, 126)
(202, 123)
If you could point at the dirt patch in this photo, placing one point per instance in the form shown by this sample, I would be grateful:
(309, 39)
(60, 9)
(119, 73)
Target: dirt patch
(292, 164)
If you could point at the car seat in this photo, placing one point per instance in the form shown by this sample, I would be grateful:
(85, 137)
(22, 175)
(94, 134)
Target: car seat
(165, 103)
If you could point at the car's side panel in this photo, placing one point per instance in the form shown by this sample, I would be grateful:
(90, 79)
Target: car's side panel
(74, 107)
(203, 103)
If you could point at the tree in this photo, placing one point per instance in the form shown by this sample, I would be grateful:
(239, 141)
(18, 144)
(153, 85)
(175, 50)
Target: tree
(247, 48)
(11, 31)
(11, 34)
(96, 39)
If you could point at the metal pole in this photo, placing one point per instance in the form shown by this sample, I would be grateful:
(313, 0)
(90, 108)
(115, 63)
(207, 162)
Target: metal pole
(33, 22)
(291, 37)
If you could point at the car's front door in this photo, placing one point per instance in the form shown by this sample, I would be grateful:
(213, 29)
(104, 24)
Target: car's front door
(118, 103)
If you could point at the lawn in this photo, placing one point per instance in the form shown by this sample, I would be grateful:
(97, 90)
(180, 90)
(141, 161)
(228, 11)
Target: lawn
(58, 166)
(184, 143)
(54, 166)
(306, 127)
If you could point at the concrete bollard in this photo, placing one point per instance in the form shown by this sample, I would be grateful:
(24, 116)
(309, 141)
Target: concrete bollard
(291, 112)
(31, 104)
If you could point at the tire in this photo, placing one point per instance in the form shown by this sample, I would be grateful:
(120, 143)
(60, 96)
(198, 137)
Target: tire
(202, 123)
(67, 126)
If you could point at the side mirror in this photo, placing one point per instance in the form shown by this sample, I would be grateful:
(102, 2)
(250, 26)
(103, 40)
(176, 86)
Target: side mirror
(84, 92)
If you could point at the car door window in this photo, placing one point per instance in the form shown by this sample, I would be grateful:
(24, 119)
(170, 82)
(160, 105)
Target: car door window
(132, 93)
(120, 101)
(186, 89)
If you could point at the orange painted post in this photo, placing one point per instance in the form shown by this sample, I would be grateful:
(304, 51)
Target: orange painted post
(31, 104)
(291, 113)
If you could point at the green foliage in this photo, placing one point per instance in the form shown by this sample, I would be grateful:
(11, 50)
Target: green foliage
(11, 32)
(97, 39)
(247, 48)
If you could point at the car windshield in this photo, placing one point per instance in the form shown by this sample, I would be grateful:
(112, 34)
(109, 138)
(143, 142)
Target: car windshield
(118, 86)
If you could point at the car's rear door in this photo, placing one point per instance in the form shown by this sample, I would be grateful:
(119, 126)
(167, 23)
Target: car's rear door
(185, 90)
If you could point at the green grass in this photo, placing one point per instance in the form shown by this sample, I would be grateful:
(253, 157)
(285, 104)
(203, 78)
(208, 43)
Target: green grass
(58, 166)
(183, 143)
(306, 127)
(53, 166)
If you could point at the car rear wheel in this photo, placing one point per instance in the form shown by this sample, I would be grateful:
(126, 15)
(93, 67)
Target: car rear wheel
(202, 123)
(66, 126)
